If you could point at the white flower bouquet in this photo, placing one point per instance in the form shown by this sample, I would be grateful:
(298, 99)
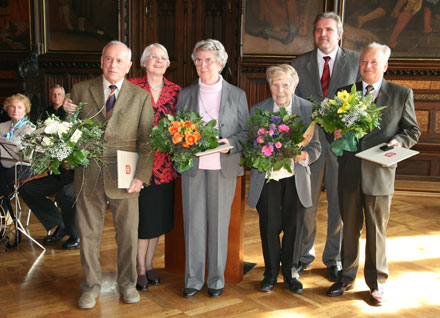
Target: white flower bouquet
(75, 142)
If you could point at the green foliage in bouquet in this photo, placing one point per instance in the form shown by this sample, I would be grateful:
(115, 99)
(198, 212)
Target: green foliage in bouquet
(182, 136)
(273, 140)
(353, 113)
(75, 142)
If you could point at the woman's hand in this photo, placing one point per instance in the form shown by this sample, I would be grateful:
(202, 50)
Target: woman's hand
(226, 142)
(302, 156)
(337, 133)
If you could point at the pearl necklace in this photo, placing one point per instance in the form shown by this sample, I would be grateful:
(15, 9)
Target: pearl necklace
(156, 88)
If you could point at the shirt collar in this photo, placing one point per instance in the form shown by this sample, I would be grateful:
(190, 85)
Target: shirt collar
(332, 54)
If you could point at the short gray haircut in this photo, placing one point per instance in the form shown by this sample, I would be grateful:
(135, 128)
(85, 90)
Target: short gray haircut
(213, 46)
(383, 47)
(116, 42)
(57, 86)
(329, 15)
(147, 50)
(284, 70)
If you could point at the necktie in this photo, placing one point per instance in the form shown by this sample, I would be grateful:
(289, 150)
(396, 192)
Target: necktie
(368, 89)
(325, 78)
(110, 101)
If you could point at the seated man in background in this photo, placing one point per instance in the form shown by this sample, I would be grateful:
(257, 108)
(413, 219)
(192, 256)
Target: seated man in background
(35, 194)
(56, 97)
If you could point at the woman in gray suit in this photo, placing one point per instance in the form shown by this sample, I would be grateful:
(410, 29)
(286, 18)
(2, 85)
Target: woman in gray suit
(281, 201)
(208, 188)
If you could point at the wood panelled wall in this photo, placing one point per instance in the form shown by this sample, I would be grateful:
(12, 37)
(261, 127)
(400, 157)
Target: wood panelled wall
(179, 24)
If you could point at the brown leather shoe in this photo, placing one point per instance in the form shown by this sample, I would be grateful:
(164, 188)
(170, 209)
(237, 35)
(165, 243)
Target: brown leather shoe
(338, 289)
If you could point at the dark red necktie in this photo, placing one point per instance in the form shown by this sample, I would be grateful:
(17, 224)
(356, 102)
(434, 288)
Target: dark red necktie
(325, 78)
(110, 101)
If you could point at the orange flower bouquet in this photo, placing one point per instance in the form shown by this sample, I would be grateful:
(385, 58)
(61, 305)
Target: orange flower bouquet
(182, 136)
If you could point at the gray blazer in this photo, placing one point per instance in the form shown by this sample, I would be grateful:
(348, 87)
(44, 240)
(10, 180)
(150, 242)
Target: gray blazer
(303, 109)
(398, 121)
(345, 72)
(233, 115)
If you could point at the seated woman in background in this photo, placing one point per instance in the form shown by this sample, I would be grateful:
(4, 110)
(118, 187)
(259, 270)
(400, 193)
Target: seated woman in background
(17, 106)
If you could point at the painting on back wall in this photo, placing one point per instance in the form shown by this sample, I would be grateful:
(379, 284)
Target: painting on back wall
(411, 28)
(80, 25)
(14, 25)
(279, 27)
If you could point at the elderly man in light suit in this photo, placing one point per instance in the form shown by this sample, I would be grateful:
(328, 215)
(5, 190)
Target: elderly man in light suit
(208, 188)
(343, 69)
(279, 201)
(366, 188)
(129, 124)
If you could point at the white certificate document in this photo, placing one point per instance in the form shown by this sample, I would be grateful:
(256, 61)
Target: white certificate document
(386, 158)
(127, 162)
(214, 150)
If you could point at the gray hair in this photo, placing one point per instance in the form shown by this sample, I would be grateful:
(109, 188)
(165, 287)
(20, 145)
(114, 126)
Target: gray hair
(116, 42)
(213, 46)
(384, 48)
(57, 86)
(286, 70)
(147, 50)
(329, 15)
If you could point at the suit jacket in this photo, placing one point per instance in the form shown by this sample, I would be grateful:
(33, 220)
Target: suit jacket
(128, 129)
(398, 121)
(232, 118)
(303, 109)
(345, 71)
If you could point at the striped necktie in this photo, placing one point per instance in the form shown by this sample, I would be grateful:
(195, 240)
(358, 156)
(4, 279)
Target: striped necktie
(368, 89)
(110, 101)
(325, 78)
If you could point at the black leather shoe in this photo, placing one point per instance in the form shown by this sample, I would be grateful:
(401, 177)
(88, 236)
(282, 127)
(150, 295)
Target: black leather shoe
(267, 285)
(215, 292)
(71, 243)
(189, 292)
(294, 285)
(302, 266)
(333, 273)
(338, 289)
(142, 282)
(57, 236)
(153, 277)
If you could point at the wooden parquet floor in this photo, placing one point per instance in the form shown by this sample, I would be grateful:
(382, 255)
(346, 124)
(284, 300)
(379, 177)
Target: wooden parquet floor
(48, 285)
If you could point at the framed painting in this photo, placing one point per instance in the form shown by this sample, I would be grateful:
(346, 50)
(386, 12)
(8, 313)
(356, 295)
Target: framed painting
(15, 34)
(80, 25)
(411, 28)
(279, 27)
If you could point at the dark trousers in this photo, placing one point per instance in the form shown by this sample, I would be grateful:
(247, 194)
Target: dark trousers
(35, 193)
(278, 210)
(7, 178)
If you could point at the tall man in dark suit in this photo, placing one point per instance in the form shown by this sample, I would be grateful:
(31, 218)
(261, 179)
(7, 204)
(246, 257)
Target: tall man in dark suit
(366, 188)
(320, 79)
(129, 115)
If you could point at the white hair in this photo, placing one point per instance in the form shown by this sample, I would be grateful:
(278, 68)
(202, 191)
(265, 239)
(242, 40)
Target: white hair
(384, 48)
(116, 42)
(147, 50)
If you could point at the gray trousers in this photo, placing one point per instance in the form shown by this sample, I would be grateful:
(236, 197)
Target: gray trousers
(325, 169)
(206, 199)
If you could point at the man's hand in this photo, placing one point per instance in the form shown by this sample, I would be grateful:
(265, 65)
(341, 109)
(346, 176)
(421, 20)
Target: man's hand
(393, 142)
(69, 106)
(135, 186)
(337, 133)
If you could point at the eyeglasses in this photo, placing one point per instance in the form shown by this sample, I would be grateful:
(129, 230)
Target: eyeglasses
(157, 58)
(208, 61)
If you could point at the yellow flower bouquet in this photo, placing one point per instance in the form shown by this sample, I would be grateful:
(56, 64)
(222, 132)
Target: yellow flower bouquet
(352, 112)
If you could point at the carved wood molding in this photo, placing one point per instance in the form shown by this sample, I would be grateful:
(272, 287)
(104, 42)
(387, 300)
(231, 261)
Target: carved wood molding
(427, 97)
(69, 64)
